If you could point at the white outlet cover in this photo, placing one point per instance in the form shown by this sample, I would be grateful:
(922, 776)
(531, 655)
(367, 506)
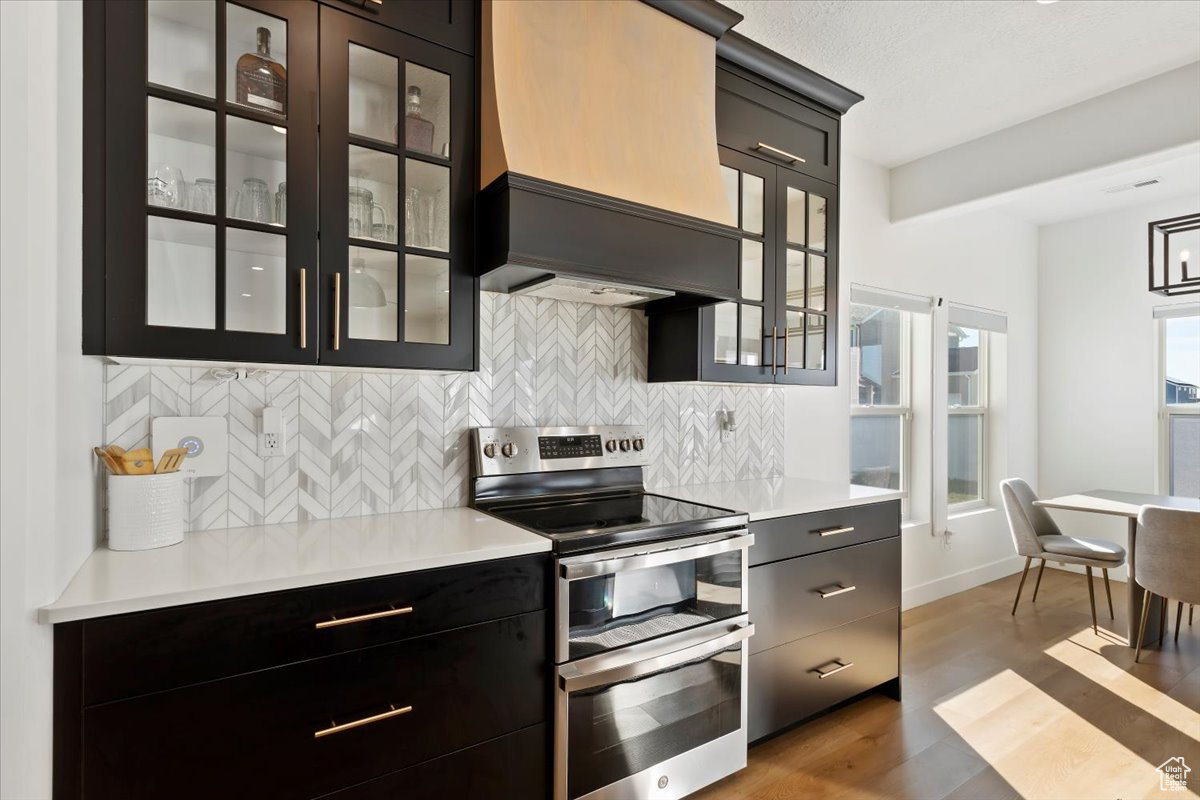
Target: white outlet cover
(206, 439)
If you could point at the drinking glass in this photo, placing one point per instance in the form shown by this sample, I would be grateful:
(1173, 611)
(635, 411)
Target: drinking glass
(204, 196)
(383, 230)
(360, 206)
(165, 187)
(253, 201)
(281, 204)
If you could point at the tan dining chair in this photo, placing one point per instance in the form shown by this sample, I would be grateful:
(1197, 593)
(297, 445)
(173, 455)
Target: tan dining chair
(1168, 561)
(1035, 535)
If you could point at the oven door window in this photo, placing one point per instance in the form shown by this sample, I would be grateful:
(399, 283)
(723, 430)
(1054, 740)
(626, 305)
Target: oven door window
(628, 606)
(620, 729)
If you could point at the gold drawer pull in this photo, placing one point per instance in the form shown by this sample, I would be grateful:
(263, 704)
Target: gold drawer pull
(391, 612)
(358, 723)
(840, 666)
(834, 531)
(840, 590)
(776, 151)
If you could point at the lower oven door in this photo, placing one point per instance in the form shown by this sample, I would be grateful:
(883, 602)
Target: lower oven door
(658, 719)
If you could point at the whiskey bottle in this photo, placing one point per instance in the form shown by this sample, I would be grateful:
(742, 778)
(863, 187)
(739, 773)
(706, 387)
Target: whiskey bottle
(418, 131)
(261, 80)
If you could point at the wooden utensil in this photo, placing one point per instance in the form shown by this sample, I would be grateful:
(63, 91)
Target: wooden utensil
(138, 462)
(115, 450)
(114, 466)
(171, 460)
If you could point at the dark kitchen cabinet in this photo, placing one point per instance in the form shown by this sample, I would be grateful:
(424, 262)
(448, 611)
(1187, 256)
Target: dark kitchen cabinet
(450, 23)
(212, 226)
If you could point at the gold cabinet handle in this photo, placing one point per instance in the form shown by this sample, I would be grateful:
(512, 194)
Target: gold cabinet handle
(775, 151)
(358, 723)
(834, 531)
(840, 666)
(835, 592)
(336, 622)
(337, 310)
(303, 309)
(774, 341)
(787, 340)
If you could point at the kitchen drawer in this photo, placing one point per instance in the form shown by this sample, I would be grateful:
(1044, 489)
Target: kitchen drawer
(513, 766)
(788, 537)
(151, 651)
(749, 115)
(785, 596)
(785, 686)
(253, 736)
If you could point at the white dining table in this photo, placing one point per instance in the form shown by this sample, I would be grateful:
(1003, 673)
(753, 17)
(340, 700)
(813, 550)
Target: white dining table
(1126, 504)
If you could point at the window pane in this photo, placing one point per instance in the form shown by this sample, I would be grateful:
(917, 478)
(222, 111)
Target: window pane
(181, 44)
(752, 203)
(795, 278)
(374, 94)
(426, 205)
(256, 171)
(794, 344)
(426, 110)
(814, 342)
(255, 281)
(877, 356)
(1184, 455)
(876, 450)
(816, 221)
(816, 282)
(964, 388)
(373, 281)
(752, 335)
(752, 269)
(725, 333)
(729, 176)
(795, 216)
(256, 47)
(372, 195)
(181, 275)
(1182, 342)
(426, 299)
(180, 151)
(965, 434)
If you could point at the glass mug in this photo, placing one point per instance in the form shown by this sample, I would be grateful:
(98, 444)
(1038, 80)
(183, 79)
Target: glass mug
(253, 201)
(362, 219)
(166, 187)
(204, 196)
(281, 204)
(420, 214)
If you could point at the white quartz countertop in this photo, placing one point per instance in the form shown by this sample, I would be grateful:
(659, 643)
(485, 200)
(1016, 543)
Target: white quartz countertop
(213, 565)
(767, 498)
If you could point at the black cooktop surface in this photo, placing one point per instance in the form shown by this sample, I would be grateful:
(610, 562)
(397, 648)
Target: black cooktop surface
(591, 523)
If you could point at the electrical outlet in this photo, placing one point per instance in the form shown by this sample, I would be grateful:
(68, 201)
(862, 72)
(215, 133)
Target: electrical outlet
(270, 434)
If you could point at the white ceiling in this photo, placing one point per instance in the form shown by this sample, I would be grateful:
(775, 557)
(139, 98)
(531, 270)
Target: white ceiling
(937, 73)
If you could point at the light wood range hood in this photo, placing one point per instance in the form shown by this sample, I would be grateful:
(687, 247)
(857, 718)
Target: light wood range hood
(598, 147)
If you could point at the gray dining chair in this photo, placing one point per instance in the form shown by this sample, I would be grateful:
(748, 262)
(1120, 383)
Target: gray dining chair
(1168, 561)
(1035, 535)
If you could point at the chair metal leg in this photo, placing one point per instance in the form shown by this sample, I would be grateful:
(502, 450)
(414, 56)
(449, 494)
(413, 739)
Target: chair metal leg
(1037, 585)
(1108, 591)
(1021, 585)
(1162, 621)
(1178, 619)
(1191, 611)
(1146, 598)
(1092, 598)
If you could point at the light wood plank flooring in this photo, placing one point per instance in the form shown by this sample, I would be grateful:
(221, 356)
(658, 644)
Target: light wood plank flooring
(997, 707)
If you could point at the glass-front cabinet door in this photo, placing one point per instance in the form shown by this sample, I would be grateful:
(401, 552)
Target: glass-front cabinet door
(209, 128)
(397, 142)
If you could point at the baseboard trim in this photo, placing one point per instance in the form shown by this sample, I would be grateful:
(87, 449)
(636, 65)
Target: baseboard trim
(927, 592)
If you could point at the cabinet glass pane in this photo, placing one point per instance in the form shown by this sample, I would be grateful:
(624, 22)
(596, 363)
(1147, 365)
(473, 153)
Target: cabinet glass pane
(729, 176)
(814, 342)
(752, 203)
(426, 205)
(816, 282)
(795, 339)
(181, 45)
(795, 278)
(796, 200)
(255, 171)
(181, 274)
(751, 343)
(372, 194)
(817, 206)
(374, 94)
(426, 299)
(256, 49)
(180, 149)
(426, 110)
(725, 318)
(373, 294)
(255, 281)
(752, 269)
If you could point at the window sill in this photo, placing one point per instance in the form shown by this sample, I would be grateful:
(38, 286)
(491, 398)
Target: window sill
(973, 511)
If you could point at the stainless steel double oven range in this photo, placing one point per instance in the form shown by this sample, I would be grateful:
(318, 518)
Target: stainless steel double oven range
(651, 615)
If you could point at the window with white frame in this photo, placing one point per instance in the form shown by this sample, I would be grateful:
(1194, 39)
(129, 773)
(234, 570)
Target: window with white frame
(880, 404)
(967, 406)
(1179, 399)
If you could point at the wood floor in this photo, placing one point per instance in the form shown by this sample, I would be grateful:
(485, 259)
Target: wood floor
(997, 707)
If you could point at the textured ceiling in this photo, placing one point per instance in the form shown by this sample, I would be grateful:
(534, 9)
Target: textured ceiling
(937, 73)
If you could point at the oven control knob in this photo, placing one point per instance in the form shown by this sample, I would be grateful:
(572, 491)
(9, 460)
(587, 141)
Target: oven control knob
(625, 445)
(489, 449)
(611, 445)
(639, 444)
(508, 449)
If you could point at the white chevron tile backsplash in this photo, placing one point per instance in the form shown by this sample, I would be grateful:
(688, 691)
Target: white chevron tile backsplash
(369, 443)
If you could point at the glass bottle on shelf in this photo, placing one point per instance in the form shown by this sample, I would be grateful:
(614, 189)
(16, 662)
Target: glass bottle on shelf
(261, 80)
(418, 131)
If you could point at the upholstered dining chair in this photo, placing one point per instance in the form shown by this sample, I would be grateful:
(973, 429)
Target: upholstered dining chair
(1168, 561)
(1035, 535)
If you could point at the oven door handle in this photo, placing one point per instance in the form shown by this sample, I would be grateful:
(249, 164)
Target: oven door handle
(581, 675)
(573, 571)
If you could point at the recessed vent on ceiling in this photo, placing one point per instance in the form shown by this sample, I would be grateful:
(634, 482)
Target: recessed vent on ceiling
(1124, 187)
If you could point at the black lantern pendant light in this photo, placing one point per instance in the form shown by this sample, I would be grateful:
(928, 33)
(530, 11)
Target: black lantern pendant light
(1173, 265)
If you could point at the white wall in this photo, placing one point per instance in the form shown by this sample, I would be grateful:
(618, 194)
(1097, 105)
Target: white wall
(1098, 360)
(50, 395)
(984, 259)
